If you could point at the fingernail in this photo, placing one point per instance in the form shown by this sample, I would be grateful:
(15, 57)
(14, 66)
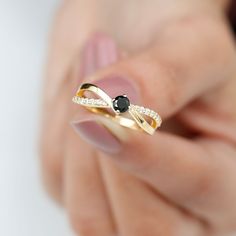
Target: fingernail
(115, 85)
(99, 52)
(97, 135)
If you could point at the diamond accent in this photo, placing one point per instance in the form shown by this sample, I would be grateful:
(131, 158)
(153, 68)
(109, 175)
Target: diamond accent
(90, 102)
(148, 112)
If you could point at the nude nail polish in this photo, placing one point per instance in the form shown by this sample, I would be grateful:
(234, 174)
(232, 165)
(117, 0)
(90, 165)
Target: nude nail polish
(99, 52)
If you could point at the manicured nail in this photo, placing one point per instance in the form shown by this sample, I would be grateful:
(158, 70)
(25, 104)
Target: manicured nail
(115, 85)
(101, 51)
(97, 135)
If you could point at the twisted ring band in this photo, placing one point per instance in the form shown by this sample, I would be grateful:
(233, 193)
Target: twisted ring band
(141, 118)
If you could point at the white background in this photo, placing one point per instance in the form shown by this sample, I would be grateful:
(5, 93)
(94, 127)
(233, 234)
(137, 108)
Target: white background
(25, 210)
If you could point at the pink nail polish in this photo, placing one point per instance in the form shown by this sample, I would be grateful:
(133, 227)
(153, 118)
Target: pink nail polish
(118, 85)
(88, 63)
(99, 52)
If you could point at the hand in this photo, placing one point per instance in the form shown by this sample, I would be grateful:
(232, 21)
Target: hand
(180, 61)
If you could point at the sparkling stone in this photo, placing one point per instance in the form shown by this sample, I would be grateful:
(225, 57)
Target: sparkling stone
(142, 109)
(121, 104)
(147, 112)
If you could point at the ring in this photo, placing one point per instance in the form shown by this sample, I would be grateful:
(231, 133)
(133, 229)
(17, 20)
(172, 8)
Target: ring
(140, 118)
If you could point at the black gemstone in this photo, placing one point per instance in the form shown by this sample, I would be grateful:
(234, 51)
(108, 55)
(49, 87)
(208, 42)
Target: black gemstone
(121, 104)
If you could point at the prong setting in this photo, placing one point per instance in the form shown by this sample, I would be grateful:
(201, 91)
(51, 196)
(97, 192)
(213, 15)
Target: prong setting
(121, 104)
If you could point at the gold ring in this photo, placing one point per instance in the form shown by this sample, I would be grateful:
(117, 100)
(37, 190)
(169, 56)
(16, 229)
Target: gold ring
(140, 118)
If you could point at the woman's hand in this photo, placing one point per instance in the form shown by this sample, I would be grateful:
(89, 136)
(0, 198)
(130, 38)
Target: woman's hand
(177, 57)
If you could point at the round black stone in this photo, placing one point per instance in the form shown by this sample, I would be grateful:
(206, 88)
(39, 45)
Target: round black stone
(121, 104)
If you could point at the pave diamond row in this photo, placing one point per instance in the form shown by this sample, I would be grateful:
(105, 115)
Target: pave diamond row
(93, 102)
(147, 112)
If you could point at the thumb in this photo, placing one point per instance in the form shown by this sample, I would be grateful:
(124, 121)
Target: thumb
(185, 62)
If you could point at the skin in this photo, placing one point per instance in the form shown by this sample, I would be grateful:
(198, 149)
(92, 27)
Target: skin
(189, 47)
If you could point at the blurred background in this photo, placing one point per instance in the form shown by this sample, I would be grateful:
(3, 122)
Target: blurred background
(25, 209)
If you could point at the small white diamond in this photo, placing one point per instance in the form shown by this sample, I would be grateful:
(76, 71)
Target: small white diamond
(142, 109)
(147, 111)
(159, 119)
(95, 102)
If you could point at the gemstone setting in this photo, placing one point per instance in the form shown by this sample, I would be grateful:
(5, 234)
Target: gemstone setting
(121, 104)
(124, 105)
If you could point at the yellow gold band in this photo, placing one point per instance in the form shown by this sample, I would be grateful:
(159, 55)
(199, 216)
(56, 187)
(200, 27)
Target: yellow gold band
(140, 118)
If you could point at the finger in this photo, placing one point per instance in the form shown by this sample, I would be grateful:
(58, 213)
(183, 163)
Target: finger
(169, 76)
(85, 195)
(56, 98)
(140, 211)
(191, 175)
(180, 66)
(52, 140)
